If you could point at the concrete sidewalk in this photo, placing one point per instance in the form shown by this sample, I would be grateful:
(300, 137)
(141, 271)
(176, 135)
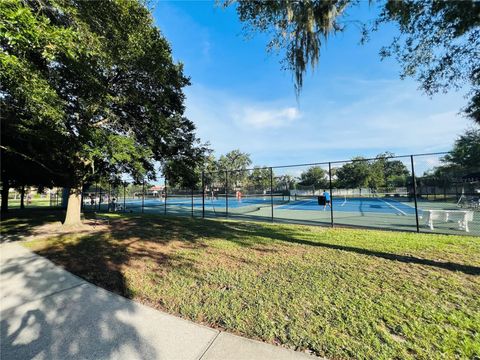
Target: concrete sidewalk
(48, 313)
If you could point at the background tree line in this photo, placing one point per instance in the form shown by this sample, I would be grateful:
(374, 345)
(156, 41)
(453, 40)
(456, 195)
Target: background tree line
(384, 172)
(461, 165)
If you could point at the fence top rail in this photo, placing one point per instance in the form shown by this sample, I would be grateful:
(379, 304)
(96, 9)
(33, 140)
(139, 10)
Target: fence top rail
(328, 162)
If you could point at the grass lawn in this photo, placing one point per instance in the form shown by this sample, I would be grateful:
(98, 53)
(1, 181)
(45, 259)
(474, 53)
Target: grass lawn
(339, 293)
(35, 202)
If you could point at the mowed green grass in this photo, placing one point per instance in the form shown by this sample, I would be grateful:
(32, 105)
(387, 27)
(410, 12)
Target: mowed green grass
(337, 293)
(35, 202)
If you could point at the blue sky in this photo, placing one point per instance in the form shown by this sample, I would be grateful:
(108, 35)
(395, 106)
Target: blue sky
(352, 104)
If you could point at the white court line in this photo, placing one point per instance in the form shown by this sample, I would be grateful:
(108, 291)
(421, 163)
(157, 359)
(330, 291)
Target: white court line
(301, 203)
(405, 204)
(402, 212)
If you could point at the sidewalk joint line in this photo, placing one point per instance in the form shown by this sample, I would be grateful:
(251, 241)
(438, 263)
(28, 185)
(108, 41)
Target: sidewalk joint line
(209, 345)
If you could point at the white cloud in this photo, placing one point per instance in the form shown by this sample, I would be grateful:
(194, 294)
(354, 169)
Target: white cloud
(229, 122)
(375, 117)
(384, 115)
(206, 46)
(267, 117)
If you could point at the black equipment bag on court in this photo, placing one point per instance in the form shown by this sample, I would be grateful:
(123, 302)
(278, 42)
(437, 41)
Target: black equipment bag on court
(322, 200)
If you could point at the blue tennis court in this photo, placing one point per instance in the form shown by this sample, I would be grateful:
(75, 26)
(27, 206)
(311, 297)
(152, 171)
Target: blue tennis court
(281, 202)
(220, 202)
(357, 205)
(354, 205)
(186, 201)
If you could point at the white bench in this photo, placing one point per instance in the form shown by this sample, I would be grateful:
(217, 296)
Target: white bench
(461, 216)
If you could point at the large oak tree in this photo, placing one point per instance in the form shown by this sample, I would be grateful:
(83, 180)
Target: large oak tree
(91, 90)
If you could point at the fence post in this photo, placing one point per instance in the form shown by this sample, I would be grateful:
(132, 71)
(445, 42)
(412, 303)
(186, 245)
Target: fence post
(415, 192)
(124, 195)
(444, 190)
(109, 196)
(271, 189)
(96, 195)
(226, 193)
(203, 194)
(331, 192)
(143, 195)
(192, 200)
(100, 200)
(165, 191)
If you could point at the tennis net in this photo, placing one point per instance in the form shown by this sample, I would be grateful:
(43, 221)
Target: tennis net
(277, 197)
(359, 197)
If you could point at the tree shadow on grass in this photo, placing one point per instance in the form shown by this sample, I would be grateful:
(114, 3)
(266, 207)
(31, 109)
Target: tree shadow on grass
(20, 223)
(467, 269)
(247, 235)
(289, 236)
(236, 232)
(100, 256)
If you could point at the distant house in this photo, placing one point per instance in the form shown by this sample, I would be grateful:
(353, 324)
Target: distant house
(155, 190)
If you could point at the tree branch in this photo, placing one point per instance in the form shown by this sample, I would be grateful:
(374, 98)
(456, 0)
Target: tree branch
(26, 157)
(100, 123)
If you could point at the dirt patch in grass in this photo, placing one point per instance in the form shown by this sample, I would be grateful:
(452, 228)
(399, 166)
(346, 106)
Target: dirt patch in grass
(30, 224)
(56, 228)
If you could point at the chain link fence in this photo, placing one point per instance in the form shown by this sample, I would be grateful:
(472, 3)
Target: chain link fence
(407, 193)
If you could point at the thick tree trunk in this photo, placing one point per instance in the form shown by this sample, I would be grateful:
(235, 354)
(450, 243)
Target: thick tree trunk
(72, 218)
(22, 197)
(65, 196)
(5, 189)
